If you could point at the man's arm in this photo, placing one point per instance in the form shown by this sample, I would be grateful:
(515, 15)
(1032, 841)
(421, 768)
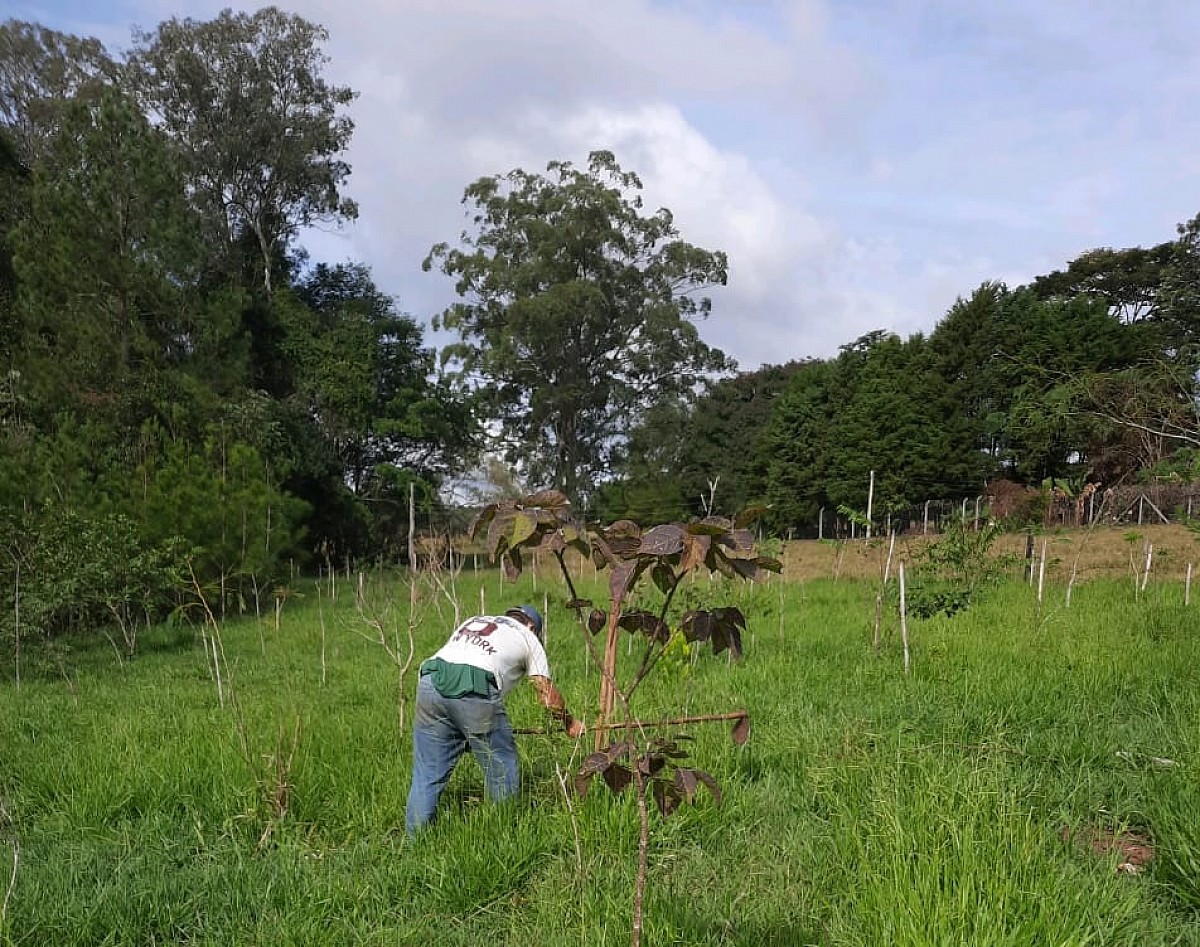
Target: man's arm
(549, 697)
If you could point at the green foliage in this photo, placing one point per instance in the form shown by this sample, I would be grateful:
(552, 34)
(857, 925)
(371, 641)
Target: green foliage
(686, 457)
(66, 571)
(577, 314)
(244, 99)
(226, 504)
(102, 259)
(956, 569)
(922, 809)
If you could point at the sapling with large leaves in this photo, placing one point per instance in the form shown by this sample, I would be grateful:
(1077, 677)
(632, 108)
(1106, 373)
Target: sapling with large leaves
(666, 553)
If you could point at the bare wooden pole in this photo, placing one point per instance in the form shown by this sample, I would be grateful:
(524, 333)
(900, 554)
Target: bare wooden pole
(412, 527)
(734, 715)
(1042, 572)
(1146, 567)
(903, 618)
(1187, 586)
(870, 502)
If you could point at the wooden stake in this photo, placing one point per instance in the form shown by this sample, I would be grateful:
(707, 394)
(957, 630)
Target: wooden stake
(1146, 569)
(1042, 572)
(1187, 586)
(870, 502)
(412, 526)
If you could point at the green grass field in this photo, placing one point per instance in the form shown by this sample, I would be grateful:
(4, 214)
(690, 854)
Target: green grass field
(963, 804)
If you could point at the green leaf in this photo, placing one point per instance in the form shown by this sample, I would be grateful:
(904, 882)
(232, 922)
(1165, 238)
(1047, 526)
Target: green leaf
(524, 525)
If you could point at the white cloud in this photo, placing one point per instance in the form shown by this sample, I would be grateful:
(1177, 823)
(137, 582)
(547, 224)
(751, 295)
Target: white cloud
(863, 164)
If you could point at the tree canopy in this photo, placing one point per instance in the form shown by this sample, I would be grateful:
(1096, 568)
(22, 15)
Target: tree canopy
(578, 314)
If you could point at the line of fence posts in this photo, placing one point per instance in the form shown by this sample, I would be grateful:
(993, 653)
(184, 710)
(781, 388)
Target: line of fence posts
(1133, 505)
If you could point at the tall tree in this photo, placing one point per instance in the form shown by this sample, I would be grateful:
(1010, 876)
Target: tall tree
(41, 71)
(798, 444)
(104, 258)
(578, 313)
(260, 130)
(366, 378)
(706, 453)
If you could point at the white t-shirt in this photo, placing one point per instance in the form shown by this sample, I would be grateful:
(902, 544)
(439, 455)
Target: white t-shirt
(505, 646)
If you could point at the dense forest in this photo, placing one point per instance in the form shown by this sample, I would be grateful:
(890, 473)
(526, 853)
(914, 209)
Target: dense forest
(188, 400)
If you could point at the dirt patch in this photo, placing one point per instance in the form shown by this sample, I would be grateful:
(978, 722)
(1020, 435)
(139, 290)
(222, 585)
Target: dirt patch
(1131, 849)
(1105, 552)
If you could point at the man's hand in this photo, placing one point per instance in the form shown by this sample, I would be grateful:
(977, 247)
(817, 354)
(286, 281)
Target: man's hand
(552, 700)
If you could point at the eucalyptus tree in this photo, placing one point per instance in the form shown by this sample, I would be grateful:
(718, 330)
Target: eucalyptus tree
(260, 130)
(41, 71)
(578, 313)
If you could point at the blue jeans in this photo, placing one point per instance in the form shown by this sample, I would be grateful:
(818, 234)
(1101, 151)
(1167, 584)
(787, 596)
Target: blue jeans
(443, 730)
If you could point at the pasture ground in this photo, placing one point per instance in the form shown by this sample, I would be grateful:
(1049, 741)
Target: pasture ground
(991, 797)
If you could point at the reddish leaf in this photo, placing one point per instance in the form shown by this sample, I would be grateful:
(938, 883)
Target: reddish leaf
(651, 763)
(645, 623)
(695, 551)
(553, 542)
(511, 564)
(750, 514)
(719, 562)
(741, 730)
(697, 625)
(729, 636)
(624, 538)
(664, 540)
(730, 614)
(596, 621)
(602, 759)
(666, 796)
(686, 783)
(551, 499)
(498, 532)
(707, 527)
(620, 580)
(664, 577)
(738, 540)
(582, 782)
(711, 783)
(769, 564)
(482, 520)
(733, 568)
(617, 777)
(578, 603)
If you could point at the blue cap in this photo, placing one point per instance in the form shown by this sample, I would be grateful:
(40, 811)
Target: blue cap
(528, 611)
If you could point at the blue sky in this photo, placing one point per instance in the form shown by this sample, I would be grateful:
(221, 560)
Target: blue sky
(863, 162)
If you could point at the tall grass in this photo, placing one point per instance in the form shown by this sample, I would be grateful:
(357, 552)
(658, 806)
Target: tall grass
(868, 808)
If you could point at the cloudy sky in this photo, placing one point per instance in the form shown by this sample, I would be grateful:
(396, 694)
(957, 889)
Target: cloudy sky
(863, 162)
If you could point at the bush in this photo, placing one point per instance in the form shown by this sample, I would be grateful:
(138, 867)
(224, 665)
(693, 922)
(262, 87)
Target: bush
(80, 572)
